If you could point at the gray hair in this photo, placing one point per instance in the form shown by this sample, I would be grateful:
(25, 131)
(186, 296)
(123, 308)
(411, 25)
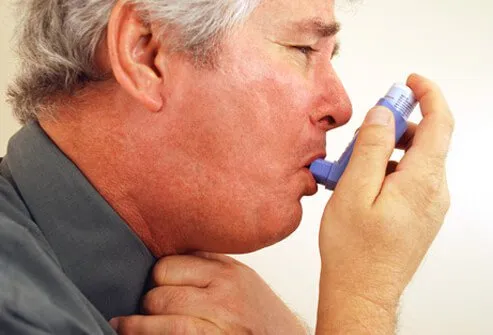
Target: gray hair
(57, 42)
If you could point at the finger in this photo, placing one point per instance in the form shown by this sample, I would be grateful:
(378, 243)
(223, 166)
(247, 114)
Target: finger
(185, 270)
(406, 140)
(217, 257)
(225, 259)
(433, 135)
(365, 172)
(163, 325)
(177, 300)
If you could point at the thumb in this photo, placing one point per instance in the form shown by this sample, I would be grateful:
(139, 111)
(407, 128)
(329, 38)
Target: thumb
(373, 147)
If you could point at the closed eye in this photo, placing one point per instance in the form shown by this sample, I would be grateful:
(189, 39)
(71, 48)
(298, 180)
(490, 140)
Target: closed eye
(305, 49)
(308, 50)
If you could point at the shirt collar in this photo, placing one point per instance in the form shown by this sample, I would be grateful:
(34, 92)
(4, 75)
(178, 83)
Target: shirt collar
(95, 247)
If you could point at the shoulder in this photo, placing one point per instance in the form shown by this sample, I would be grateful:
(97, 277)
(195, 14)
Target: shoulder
(36, 297)
(13, 210)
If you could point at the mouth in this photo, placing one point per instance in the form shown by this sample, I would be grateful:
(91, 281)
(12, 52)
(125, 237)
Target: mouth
(314, 158)
(312, 189)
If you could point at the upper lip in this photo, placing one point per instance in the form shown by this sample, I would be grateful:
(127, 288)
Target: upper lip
(309, 161)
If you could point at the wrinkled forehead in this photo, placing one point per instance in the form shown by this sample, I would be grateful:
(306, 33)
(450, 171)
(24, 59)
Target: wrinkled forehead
(283, 10)
(289, 15)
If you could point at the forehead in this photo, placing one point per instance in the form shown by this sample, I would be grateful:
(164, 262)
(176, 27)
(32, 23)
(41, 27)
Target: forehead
(282, 11)
(288, 18)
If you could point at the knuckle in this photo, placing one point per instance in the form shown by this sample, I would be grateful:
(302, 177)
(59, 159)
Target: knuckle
(160, 271)
(430, 182)
(153, 302)
(432, 198)
(162, 301)
(228, 273)
(229, 270)
(444, 201)
(229, 277)
(431, 189)
(128, 325)
(173, 300)
(416, 193)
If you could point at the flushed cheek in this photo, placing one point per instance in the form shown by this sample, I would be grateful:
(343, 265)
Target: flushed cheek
(283, 104)
(250, 124)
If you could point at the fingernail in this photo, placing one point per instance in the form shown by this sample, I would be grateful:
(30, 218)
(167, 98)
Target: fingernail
(114, 323)
(378, 115)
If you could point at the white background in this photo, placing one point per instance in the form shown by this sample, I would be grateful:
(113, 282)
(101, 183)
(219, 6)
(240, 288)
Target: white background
(383, 41)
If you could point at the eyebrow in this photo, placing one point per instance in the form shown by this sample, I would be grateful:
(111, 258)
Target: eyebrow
(317, 27)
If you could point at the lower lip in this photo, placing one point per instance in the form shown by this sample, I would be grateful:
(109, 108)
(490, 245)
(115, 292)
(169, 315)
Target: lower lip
(313, 184)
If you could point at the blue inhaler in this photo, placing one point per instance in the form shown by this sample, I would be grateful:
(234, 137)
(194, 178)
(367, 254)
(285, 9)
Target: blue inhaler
(401, 101)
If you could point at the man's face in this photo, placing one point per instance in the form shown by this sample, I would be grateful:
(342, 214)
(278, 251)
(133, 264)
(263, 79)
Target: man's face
(239, 137)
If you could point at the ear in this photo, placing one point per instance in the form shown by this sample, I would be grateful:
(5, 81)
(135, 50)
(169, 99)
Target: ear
(132, 53)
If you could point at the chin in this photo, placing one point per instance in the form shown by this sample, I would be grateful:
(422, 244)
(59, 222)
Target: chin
(272, 227)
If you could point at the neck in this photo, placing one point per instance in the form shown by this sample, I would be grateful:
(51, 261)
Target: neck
(106, 144)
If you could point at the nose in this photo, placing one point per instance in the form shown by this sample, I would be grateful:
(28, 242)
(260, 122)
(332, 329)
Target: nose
(333, 108)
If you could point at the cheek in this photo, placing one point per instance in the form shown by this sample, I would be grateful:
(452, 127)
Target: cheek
(281, 102)
(247, 122)
(250, 116)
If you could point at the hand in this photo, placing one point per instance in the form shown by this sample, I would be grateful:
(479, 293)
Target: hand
(209, 294)
(382, 217)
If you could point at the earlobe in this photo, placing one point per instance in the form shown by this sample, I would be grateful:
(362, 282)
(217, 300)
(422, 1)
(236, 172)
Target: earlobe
(132, 52)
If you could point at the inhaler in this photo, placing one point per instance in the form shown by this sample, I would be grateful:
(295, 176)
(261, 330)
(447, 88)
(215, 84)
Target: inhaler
(401, 101)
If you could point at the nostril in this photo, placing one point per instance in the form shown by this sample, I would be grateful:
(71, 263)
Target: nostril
(329, 120)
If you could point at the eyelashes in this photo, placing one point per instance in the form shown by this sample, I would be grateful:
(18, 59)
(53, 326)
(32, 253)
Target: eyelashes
(304, 49)
(309, 51)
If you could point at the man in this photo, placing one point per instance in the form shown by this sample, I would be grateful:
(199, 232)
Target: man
(163, 128)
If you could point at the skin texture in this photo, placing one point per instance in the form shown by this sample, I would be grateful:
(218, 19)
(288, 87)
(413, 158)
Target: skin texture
(213, 159)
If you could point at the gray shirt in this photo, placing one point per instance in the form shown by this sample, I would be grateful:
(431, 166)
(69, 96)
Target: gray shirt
(68, 262)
